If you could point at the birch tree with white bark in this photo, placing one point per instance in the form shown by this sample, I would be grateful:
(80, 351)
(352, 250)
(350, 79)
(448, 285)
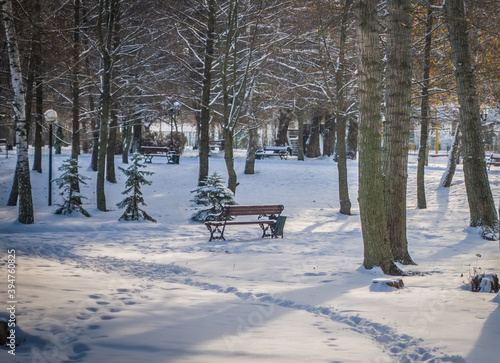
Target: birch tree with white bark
(22, 180)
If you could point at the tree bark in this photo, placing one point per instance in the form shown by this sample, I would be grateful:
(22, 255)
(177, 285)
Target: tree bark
(300, 152)
(127, 140)
(232, 179)
(25, 210)
(75, 109)
(105, 29)
(424, 113)
(329, 135)
(36, 85)
(452, 161)
(312, 145)
(377, 250)
(352, 138)
(345, 202)
(204, 136)
(285, 116)
(481, 204)
(111, 151)
(253, 144)
(397, 125)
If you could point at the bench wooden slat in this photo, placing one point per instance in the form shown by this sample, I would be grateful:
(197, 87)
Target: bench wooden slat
(251, 210)
(493, 159)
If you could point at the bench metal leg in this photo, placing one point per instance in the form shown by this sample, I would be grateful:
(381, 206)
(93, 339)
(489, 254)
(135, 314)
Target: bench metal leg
(216, 233)
(265, 228)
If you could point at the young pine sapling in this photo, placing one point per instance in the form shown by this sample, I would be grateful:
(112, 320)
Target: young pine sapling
(213, 194)
(72, 199)
(135, 179)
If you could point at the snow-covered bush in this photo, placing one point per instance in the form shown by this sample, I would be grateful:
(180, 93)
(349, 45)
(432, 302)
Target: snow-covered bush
(213, 194)
(480, 281)
(485, 283)
(135, 179)
(72, 199)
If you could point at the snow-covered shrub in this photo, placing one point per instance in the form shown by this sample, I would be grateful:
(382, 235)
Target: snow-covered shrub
(155, 138)
(480, 281)
(72, 199)
(213, 194)
(135, 179)
(179, 141)
(485, 283)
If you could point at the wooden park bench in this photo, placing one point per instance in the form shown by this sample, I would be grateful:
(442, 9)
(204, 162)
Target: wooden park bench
(269, 151)
(216, 144)
(271, 227)
(149, 152)
(493, 159)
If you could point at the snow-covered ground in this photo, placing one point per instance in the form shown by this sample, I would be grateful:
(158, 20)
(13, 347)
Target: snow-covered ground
(99, 290)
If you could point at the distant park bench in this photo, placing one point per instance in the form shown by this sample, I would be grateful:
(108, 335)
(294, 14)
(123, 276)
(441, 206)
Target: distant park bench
(493, 159)
(216, 144)
(271, 227)
(269, 151)
(149, 152)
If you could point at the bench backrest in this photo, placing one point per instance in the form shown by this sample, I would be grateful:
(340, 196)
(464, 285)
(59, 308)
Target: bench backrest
(148, 149)
(251, 210)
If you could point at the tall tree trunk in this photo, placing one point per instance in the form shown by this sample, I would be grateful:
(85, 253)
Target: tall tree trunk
(127, 140)
(312, 146)
(75, 109)
(29, 89)
(352, 137)
(253, 144)
(204, 136)
(105, 30)
(103, 135)
(34, 86)
(397, 125)
(25, 210)
(300, 144)
(93, 113)
(329, 134)
(447, 177)
(75, 84)
(232, 178)
(95, 134)
(113, 127)
(345, 202)
(377, 251)
(111, 152)
(37, 157)
(424, 112)
(137, 135)
(481, 204)
(285, 116)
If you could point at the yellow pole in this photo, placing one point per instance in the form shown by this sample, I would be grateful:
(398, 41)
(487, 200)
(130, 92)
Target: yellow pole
(437, 137)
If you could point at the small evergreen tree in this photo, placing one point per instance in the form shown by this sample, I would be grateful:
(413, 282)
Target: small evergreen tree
(212, 193)
(136, 178)
(68, 178)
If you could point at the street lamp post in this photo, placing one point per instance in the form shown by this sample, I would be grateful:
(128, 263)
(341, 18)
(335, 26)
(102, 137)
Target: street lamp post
(50, 117)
